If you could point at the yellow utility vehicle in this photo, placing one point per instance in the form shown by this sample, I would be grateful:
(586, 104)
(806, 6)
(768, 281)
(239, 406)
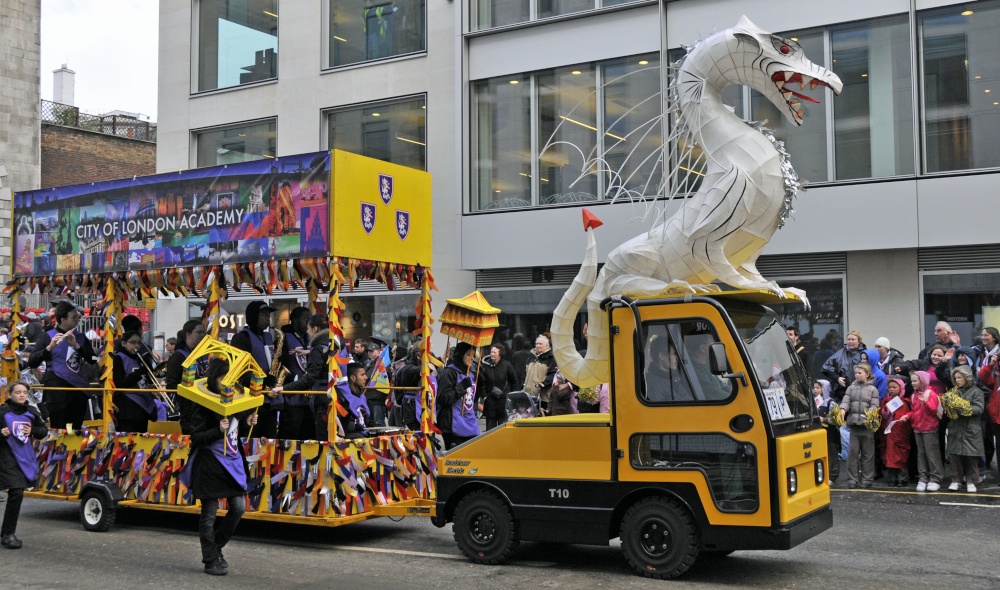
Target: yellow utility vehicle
(712, 445)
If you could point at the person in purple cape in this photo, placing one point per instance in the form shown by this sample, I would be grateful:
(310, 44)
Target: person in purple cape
(18, 462)
(217, 469)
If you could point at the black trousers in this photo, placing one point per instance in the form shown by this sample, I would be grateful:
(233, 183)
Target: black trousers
(453, 440)
(215, 532)
(13, 511)
(73, 410)
(297, 423)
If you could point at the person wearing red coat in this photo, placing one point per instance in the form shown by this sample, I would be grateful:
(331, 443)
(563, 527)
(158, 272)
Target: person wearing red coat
(896, 452)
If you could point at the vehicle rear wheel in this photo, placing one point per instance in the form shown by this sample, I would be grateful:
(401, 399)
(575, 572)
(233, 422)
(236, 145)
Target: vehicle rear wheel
(659, 538)
(97, 513)
(484, 528)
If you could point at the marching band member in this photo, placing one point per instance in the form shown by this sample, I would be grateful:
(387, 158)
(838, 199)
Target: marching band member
(69, 359)
(217, 469)
(135, 408)
(18, 463)
(187, 339)
(255, 338)
(301, 425)
(297, 420)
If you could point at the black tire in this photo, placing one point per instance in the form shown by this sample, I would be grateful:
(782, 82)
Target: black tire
(659, 538)
(484, 528)
(97, 513)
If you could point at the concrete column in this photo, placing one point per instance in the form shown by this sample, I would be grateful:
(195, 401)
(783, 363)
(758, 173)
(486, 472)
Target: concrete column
(883, 297)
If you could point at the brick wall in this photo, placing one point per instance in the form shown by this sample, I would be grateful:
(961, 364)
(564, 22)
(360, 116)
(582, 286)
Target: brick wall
(73, 156)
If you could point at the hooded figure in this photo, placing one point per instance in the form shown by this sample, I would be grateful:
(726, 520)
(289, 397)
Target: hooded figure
(256, 339)
(896, 453)
(881, 384)
(456, 398)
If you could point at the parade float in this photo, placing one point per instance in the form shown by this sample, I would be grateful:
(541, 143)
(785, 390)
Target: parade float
(318, 222)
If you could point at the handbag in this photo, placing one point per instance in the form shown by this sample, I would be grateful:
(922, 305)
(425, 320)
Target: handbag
(497, 393)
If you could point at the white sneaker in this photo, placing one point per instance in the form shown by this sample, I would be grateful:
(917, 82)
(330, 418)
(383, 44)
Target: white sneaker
(971, 488)
(921, 487)
(933, 487)
(954, 486)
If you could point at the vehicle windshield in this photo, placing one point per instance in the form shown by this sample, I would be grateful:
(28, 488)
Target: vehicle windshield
(777, 368)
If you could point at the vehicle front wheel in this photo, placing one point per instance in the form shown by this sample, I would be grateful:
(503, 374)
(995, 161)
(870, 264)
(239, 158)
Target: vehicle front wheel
(659, 538)
(484, 528)
(97, 513)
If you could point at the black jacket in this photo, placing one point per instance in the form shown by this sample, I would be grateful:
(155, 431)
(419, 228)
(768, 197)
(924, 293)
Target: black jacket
(11, 475)
(317, 372)
(128, 409)
(503, 377)
(42, 355)
(451, 389)
(407, 376)
(209, 478)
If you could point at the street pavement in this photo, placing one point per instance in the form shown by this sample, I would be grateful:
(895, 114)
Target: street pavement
(880, 539)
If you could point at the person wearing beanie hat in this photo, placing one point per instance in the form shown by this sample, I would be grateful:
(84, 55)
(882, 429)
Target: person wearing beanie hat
(896, 452)
(456, 398)
(923, 417)
(890, 360)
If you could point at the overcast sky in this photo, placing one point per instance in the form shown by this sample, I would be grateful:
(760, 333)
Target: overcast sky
(111, 45)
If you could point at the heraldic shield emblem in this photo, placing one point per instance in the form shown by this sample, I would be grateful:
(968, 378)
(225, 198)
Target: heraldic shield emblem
(385, 187)
(402, 224)
(368, 216)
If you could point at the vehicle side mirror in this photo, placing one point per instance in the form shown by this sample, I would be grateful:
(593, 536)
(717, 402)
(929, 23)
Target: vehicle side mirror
(718, 363)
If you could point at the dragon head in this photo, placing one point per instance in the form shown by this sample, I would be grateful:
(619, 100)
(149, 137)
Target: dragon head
(775, 66)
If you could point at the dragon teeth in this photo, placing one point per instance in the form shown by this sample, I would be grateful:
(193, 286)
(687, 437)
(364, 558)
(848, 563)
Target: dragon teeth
(788, 76)
(807, 80)
(780, 84)
(786, 94)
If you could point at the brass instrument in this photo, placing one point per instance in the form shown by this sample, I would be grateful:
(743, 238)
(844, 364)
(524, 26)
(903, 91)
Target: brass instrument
(160, 392)
(278, 371)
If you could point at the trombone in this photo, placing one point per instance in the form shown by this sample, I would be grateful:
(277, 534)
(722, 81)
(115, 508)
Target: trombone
(160, 392)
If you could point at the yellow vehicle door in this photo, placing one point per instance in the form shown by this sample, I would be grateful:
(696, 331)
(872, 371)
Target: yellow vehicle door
(677, 422)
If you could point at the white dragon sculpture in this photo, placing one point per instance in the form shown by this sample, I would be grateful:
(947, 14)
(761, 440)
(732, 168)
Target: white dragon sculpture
(744, 197)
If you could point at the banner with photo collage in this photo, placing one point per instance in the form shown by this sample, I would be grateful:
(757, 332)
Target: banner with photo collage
(275, 208)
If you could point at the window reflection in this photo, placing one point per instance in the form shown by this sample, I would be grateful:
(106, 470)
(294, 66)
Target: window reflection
(961, 86)
(235, 143)
(805, 144)
(364, 30)
(555, 108)
(873, 116)
(391, 131)
(237, 42)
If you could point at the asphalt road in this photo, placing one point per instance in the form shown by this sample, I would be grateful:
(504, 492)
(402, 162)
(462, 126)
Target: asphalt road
(879, 539)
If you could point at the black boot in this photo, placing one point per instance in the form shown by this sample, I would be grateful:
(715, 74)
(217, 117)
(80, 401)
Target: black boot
(10, 541)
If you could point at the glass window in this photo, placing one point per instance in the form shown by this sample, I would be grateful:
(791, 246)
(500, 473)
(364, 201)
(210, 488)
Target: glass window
(675, 364)
(967, 301)
(237, 42)
(730, 466)
(633, 135)
(873, 116)
(961, 86)
(805, 144)
(364, 30)
(567, 114)
(503, 165)
(391, 131)
(235, 143)
(547, 8)
(498, 13)
(546, 125)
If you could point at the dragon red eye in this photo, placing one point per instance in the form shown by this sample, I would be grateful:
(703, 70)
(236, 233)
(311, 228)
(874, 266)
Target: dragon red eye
(785, 49)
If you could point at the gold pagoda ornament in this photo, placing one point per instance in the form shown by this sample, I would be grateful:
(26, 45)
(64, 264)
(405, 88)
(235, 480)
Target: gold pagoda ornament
(470, 319)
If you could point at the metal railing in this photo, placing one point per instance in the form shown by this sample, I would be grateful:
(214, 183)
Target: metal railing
(117, 125)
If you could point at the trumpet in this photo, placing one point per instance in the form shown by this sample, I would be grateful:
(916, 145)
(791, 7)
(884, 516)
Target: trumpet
(160, 392)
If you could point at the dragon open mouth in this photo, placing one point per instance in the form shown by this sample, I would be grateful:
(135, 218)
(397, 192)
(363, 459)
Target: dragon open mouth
(784, 79)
